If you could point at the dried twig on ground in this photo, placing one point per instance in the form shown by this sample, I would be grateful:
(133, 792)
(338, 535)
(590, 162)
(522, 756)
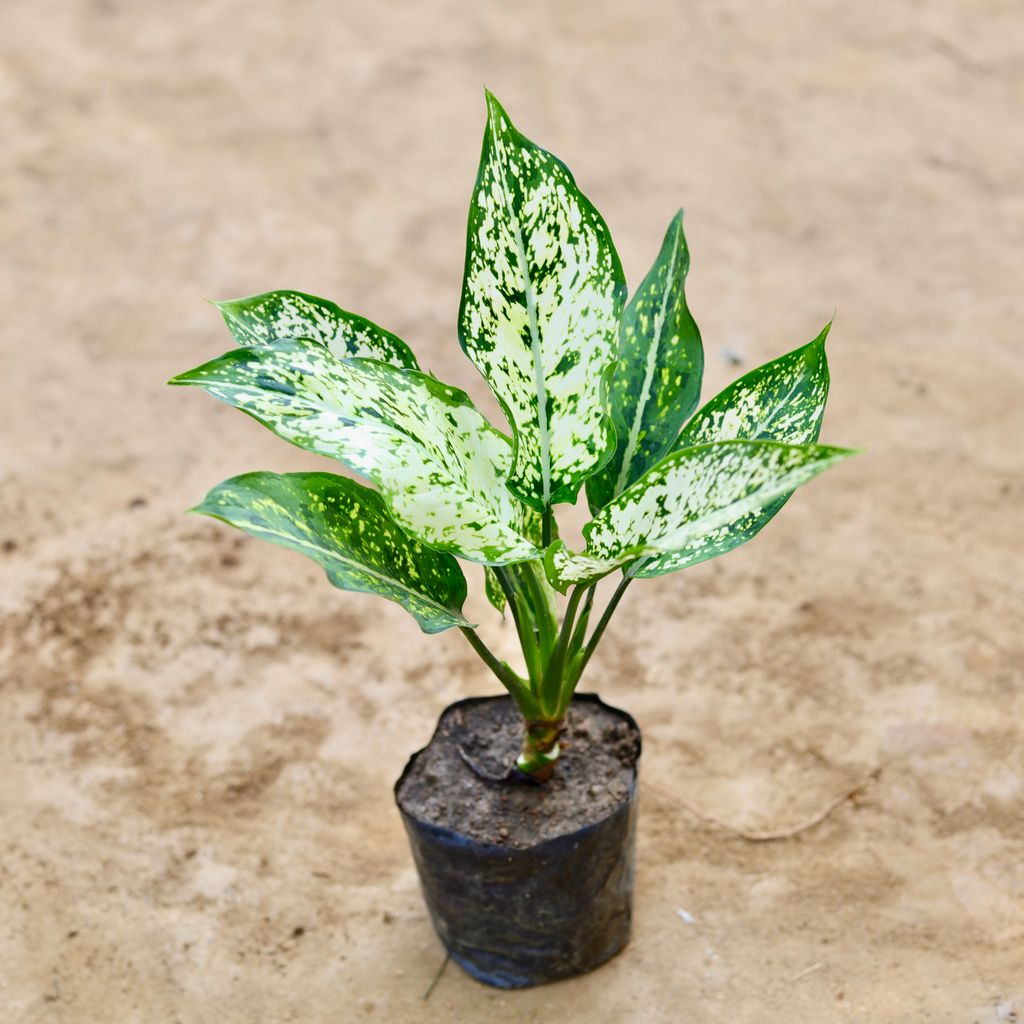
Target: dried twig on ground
(437, 977)
(771, 834)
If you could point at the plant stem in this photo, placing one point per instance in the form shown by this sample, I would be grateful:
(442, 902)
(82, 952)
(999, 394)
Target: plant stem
(504, 677)
(517, 687)
(573, 667)
(545, 527)
(547, 626)
(602, 623)
(526, 630)
(540, 749)
(581, 624)
(552, 684)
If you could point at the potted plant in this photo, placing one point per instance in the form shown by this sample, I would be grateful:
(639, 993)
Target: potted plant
(521, 811)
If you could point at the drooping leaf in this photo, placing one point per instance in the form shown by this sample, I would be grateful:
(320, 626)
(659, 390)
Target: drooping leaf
(283, 315)
(783, 400)
(541, 298)
(692, 495)
(439, 464)
(656, 382)
(493, 590)
(347, 529)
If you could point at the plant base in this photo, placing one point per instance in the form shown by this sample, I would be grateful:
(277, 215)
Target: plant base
(525, 884)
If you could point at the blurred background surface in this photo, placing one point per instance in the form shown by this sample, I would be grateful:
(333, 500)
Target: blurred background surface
(198, 735)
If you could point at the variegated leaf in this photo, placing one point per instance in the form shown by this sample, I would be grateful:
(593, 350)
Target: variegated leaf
(283, 315)
(493, 590)
(784, 400)
(656, 383)
(439, 464)
(541, 298)
(347, 529)
(692, 494)
(531, 525)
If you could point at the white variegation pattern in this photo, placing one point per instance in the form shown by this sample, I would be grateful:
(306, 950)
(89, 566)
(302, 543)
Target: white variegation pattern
(493, 590)
(439, 464)
(541, 298)
(284, 315)
(783, 400)
(347, 529)
(656, 382)
(688, 496)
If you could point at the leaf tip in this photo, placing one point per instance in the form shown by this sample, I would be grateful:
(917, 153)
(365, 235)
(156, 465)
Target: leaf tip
(817, 344)
(494, 108)
(226, 307)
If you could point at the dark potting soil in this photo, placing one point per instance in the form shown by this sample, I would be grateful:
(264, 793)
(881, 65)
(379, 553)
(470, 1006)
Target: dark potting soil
(593, 776)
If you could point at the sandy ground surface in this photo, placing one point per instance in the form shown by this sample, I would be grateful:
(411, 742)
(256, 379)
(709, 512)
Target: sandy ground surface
(198, 735)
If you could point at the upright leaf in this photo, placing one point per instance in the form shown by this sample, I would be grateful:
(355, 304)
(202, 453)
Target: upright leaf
(692, 496)
(439, 464)
(493, 590)
(541, 298)
(283, 315)
(784, 400)
(656, 383)
(347, 529)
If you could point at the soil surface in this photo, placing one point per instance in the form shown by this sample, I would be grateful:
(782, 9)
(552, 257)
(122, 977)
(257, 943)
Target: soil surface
(454, 780)
(199, 736)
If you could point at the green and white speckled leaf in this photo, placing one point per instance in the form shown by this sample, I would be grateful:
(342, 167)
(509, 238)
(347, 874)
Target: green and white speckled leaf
(692, 494)
(493, 590)
(283, 315)
(531, 525)
(656, 383)
(541, 298)
(347, 529)
(784, 400)
(439, 464)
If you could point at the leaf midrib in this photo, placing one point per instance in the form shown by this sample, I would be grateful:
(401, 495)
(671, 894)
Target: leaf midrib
(322, 404)
(780, 407)
(536, 349)
(762, 424)
(297, 545)
(652, 361)
(726, 514)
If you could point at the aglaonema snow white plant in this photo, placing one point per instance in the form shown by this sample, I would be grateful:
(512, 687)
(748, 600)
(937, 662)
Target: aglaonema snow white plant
(598, 394)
